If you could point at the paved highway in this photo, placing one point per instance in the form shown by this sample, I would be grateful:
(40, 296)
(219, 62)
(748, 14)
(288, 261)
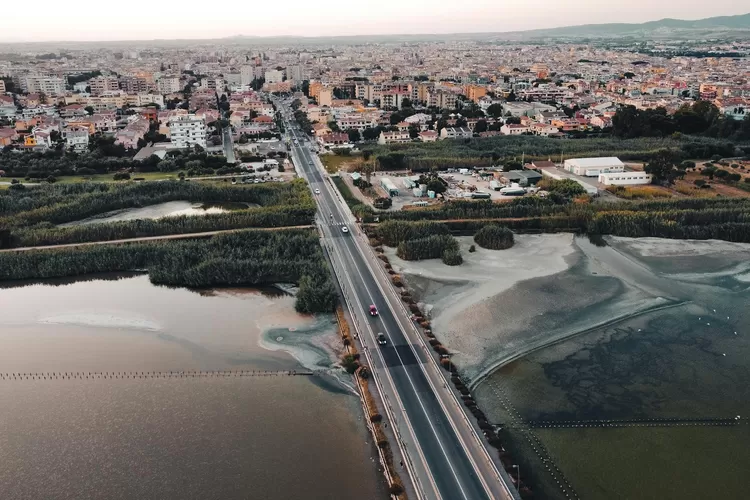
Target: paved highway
(444, 458)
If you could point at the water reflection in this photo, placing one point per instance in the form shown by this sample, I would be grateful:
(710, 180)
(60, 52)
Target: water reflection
(176, 438)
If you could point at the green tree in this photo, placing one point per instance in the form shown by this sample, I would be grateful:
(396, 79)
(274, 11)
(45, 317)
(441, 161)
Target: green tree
(354, 135)
(89, 110)
(495, 110)
(481, 126)
(662, 167)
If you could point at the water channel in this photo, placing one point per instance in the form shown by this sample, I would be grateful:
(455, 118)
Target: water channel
(159, 210)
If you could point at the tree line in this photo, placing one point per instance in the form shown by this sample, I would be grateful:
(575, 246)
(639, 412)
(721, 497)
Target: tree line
(245, 258)
(699, 118)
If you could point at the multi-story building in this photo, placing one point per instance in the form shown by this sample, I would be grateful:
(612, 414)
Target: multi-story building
(441, 99)
(393, 99)
(186, 131)
(213, 83)
(455, 133)
(274, 76)
(295, 73)
(2, 87)
(48, 85)
(133, 84)
(168, 84)
(103, 84)
(475, 92)
(76, 138)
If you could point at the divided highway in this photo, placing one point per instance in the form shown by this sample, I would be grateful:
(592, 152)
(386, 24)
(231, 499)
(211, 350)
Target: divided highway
(445, 458)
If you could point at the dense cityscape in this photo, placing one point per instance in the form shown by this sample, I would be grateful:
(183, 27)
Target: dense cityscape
(475, 266)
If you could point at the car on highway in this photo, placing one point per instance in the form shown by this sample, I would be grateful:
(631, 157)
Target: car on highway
(312, 163)
(344, 229)
(381, 339)
(317, 191)
(373, 310)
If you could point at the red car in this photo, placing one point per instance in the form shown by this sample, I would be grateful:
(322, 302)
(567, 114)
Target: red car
(373, 310)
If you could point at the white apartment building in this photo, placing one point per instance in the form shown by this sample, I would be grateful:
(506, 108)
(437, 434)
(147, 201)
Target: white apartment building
(76, 138)
(185, 131)
(138, 100)
(274, 76)
(168, 84)
(48, 85)
(455, 133)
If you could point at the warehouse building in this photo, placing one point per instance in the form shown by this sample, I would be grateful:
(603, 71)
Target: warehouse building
(625, 178)
(593, 167)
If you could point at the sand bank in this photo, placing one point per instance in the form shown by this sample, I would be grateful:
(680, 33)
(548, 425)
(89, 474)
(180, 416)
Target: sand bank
(500, 305)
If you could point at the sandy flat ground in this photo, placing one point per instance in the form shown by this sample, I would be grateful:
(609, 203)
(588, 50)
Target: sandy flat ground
(500, 305)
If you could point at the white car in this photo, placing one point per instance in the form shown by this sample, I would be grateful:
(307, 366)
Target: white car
(344, 229)
(317, 191)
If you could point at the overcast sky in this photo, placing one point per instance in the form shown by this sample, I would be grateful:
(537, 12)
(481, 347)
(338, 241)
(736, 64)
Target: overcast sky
(47, 20)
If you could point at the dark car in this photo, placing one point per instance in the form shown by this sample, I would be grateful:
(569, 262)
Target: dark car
(373, 310)
(381, 339)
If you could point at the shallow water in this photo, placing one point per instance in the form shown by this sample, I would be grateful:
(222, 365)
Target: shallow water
(689, 362)
(144, 437)
(159, 210)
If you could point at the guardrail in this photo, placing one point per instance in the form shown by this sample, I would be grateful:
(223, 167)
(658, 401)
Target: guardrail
(419, 489)
(436, 366)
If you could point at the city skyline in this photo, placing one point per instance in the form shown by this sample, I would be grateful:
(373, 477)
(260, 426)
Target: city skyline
(90, 23)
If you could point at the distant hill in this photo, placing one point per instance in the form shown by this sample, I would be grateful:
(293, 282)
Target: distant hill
(712, 26)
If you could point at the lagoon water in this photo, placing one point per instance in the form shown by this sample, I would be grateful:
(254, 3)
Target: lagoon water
(687, 361)
(174, 438)
(159, 210)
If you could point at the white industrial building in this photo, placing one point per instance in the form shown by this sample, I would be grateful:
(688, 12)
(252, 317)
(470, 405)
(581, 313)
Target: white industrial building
(592, 167)
(625, 178)
(187, 130)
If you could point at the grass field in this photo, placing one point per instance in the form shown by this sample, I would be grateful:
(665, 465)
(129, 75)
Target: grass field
(334, 163)
(149, 176)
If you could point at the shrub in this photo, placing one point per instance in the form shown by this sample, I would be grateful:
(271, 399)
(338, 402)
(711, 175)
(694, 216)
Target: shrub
(349, 363)
(452, 257)
(376, 417)
(494, 237)
(472, 249)
(430, 247)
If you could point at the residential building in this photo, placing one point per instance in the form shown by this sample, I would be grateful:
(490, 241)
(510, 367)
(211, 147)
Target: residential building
(168, 85)
(2, 86)
(428, 136)
(475, 92)
(76, 138)
(48, 85)
(274, 76)
(325, 97)
(334, 139)
(393, 137)
(543, 129)
(455, 133)
(441, 99)
(186, 131)
(102, 84)
(295, 73)
(393, 99)
(133, 132)
(133, 84)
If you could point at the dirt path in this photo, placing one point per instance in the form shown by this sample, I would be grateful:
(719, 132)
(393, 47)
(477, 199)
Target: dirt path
(154, 238)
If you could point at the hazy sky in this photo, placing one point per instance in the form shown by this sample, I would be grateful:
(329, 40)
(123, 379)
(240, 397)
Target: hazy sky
(46, 20)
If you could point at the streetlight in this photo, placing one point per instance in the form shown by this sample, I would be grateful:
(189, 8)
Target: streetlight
(518, 476)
